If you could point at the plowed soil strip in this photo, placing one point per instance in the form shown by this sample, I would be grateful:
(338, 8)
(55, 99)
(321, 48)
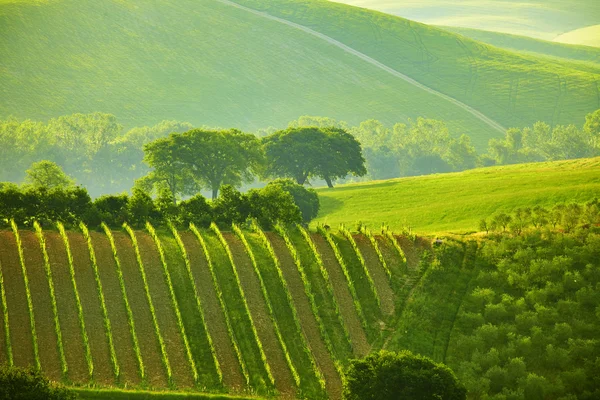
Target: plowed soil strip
(16, 299)
(251, 287)
(377, 272)
(308, 322)
(215, 320)
(167, 321)
(192, 320)
(42, 305)
(392, 258)
(412, 257)
(92, 310)
(3, 344)
(116, 310)
(67, 308)
(343, 297)
(149, 346)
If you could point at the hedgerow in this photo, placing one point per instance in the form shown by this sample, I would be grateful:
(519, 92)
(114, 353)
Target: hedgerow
(36, 354)
(59, 343)
(86, 342)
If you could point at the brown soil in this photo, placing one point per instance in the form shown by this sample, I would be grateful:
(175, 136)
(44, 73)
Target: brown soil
(260, 314)
(42, 306)
(380, 278)
(165, 314)
(342, 294)
(117, 313)
(215, 320)
(92, 311)
(412, 256)
(3, 351)
(308, 322)
(156, 376)
(16, 299)
(390, 254)
(67, 309)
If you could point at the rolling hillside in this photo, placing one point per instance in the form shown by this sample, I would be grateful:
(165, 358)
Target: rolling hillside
(457, 201)
(213, 63)
(589, 36)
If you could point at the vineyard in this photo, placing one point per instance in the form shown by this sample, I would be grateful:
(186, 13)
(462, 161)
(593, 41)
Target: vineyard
(240, 312)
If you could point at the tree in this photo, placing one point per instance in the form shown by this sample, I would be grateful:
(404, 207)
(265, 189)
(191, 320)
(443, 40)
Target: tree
(301, 153)
(49, 175)
(272, 204)
(21, 384)
(306, 199)
(214, 158)
(385, 375)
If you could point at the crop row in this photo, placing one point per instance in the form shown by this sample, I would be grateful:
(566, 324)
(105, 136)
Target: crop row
(9, 352)
(367, 232)
(36, 354)
(59, 341)
(390, 235)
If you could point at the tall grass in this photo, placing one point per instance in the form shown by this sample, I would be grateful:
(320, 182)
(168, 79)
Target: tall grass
(362, 262)
(59, 342)
(265, 294)
(9, 353)
(261, 350)
(219, 292)
(86, 341)
(349, 281)
(367, 232)
(167, 275)
(267, 244)
(106, 320)
(130, 322)
(161, 341)
(190, 276)
(36, 354)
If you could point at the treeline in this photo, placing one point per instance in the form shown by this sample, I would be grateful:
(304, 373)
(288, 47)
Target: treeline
(279, 201)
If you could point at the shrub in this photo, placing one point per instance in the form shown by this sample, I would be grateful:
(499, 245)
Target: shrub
(21, 384)
(307, 200)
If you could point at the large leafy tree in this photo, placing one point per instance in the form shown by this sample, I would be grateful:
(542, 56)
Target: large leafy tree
(301, 153)
(389, 376)
(49, 175)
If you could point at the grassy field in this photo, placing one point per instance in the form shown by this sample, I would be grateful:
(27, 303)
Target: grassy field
(456, 202)
(589, 36)
(132, 60)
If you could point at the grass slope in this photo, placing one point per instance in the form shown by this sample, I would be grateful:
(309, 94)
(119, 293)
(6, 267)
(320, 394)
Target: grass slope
(530, 45)
(589, 36)
(456, 202)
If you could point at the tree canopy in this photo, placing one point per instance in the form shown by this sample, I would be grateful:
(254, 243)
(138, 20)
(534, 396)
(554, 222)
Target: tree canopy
(21, 384)
(47, 174)
(390, 376)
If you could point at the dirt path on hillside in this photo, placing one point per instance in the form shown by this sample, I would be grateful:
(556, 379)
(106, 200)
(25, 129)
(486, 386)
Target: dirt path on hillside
(117, 313)
(342, 294)
(215, 319)
(477, 114)
(42, 306)
(16, 299)
(333, 382)
(380, 278)
(261, 317)
(148, 341)
(165, 314)
(67, 309)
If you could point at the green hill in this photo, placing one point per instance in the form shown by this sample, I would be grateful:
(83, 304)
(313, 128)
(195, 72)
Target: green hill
(456, 202)
(589, 36)
(212, 63)
(530, 45)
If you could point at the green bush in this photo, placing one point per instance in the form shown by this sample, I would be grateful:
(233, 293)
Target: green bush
(21, 384)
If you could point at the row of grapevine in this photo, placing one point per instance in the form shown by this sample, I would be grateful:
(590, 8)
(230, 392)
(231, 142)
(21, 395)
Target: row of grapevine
(350, 282)
(190, 277)
(36, 354)
(219, 293)
(290, 302)
(390, 235)
(161, 341)
(86, 342)
(174, 304)
(9, 352)
(130, 321)
(59, 342)
(261, 350)
(265, 294)
(367, 232)
(361, 260)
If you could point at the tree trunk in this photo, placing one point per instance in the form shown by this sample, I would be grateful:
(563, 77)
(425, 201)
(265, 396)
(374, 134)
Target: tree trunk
(301, 179)
(329, 183)
(215, 192)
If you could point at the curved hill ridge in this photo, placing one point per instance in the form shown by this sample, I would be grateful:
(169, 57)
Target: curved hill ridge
(589, 36)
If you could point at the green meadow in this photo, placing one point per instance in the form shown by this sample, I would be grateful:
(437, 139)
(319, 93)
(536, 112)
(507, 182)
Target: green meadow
(456, 202)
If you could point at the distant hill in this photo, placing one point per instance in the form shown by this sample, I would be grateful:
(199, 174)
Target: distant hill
(530, 45)
(589, 36)
(212, 63)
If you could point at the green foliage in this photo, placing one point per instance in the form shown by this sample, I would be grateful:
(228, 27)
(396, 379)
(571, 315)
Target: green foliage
(387, 375)
(307, 200)
(367, 232)
(36, 355)
(9, 352)
(47, 174)
(273, 204)
(86, 342)
(22, 384)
